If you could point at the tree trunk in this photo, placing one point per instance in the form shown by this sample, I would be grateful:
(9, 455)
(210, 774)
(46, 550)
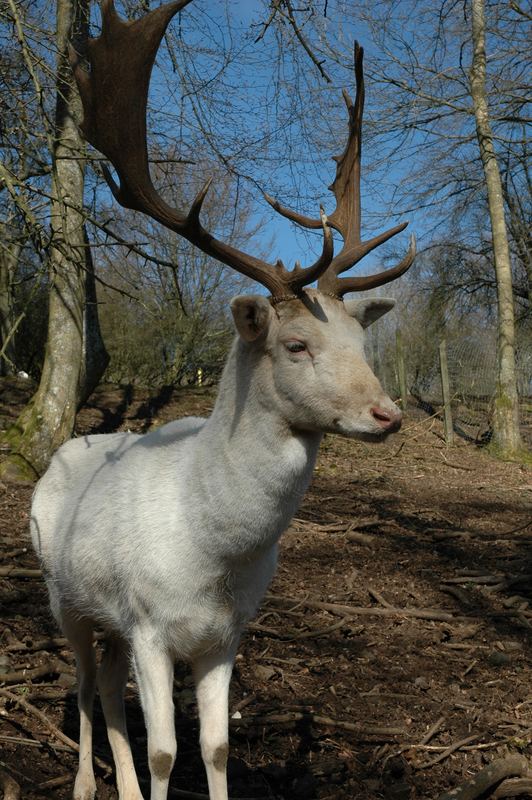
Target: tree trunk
(507, 440)
(94, 356)
(68, 372)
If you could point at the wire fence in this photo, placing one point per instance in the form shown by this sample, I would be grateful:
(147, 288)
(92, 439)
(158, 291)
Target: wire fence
(416, 375)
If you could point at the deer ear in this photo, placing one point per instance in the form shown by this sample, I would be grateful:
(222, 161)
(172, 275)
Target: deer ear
(367, 311)
(252, 314)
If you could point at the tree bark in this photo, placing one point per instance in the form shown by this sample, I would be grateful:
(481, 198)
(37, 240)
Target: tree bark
(94, 356)
(73, 362)
(507, 440)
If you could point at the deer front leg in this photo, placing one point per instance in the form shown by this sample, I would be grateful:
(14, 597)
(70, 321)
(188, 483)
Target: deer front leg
(155, 675)
(212, 674)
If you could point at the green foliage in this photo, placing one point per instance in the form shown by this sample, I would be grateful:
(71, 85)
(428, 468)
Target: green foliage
(154, 346)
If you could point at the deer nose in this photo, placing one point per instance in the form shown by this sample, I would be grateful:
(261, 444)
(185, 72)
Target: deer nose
(388, 420)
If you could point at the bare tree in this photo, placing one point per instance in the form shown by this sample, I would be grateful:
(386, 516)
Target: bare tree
(506, 415)
(75, 356)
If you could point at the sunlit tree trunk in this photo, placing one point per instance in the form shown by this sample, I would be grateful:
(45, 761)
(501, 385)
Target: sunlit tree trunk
(68, 372)
(506, 416)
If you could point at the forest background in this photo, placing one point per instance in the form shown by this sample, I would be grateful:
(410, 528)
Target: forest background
(251, 94)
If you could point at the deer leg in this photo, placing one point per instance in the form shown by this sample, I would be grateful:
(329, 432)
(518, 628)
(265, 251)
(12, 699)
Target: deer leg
(212, 674)
(112, 678)
(155, 677)
(79, 634)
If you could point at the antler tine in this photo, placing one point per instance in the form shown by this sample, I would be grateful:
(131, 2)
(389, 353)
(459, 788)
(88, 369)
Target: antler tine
(114, 96)
(346, 218)
(363, 283)
(299, 277)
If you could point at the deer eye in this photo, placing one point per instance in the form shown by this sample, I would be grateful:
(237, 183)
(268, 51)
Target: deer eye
(295, 347)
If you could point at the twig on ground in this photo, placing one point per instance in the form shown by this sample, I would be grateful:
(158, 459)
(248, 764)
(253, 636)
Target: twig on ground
(342, 610)
(513, 787)
(393, 455)
(9, 786)
(18, 572)
(246, 701)
(41, 644)
(432, 731)
(54, 783)
(379, 598)
(255, 627)
(21, 741)
(449, 751)
(45, 644)
(456, 466)
(317, 719)
(43, 691)
(484, 580)
(49, 668)
(18, 551)
(442, 536)
(469, 668)
(518, 529)
(508, 582)
(362, 524)
(349, 528)
(512, 766)
(35, 712)
(468, 748)
(459, 594)
(360, 538)
(316, 634)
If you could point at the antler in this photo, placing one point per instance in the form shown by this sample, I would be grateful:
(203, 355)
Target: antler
(114, 96)
(346, 216)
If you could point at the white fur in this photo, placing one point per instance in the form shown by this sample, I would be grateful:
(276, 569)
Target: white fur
(169, 540)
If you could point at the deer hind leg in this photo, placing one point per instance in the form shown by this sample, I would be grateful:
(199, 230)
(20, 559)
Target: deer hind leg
(112, 678)
(212, 674)
(155, 676)
(79, 634)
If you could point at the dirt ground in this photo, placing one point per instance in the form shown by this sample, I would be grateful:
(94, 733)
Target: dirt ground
(391, 658)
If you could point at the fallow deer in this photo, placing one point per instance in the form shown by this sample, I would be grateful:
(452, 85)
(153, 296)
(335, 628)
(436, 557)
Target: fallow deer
(168, 540)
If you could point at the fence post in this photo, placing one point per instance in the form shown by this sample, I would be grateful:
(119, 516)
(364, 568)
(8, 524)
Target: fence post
(401, 371)
(446, 391)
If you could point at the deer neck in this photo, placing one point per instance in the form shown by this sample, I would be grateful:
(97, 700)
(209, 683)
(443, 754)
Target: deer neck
(256, 467)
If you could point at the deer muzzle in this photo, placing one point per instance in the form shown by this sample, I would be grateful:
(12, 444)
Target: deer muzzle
(389, 420)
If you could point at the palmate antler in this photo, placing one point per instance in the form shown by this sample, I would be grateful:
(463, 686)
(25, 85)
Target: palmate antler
(347, 214)
(114, 96)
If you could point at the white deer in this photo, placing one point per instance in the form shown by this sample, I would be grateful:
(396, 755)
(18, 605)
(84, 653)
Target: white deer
(168, 541)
